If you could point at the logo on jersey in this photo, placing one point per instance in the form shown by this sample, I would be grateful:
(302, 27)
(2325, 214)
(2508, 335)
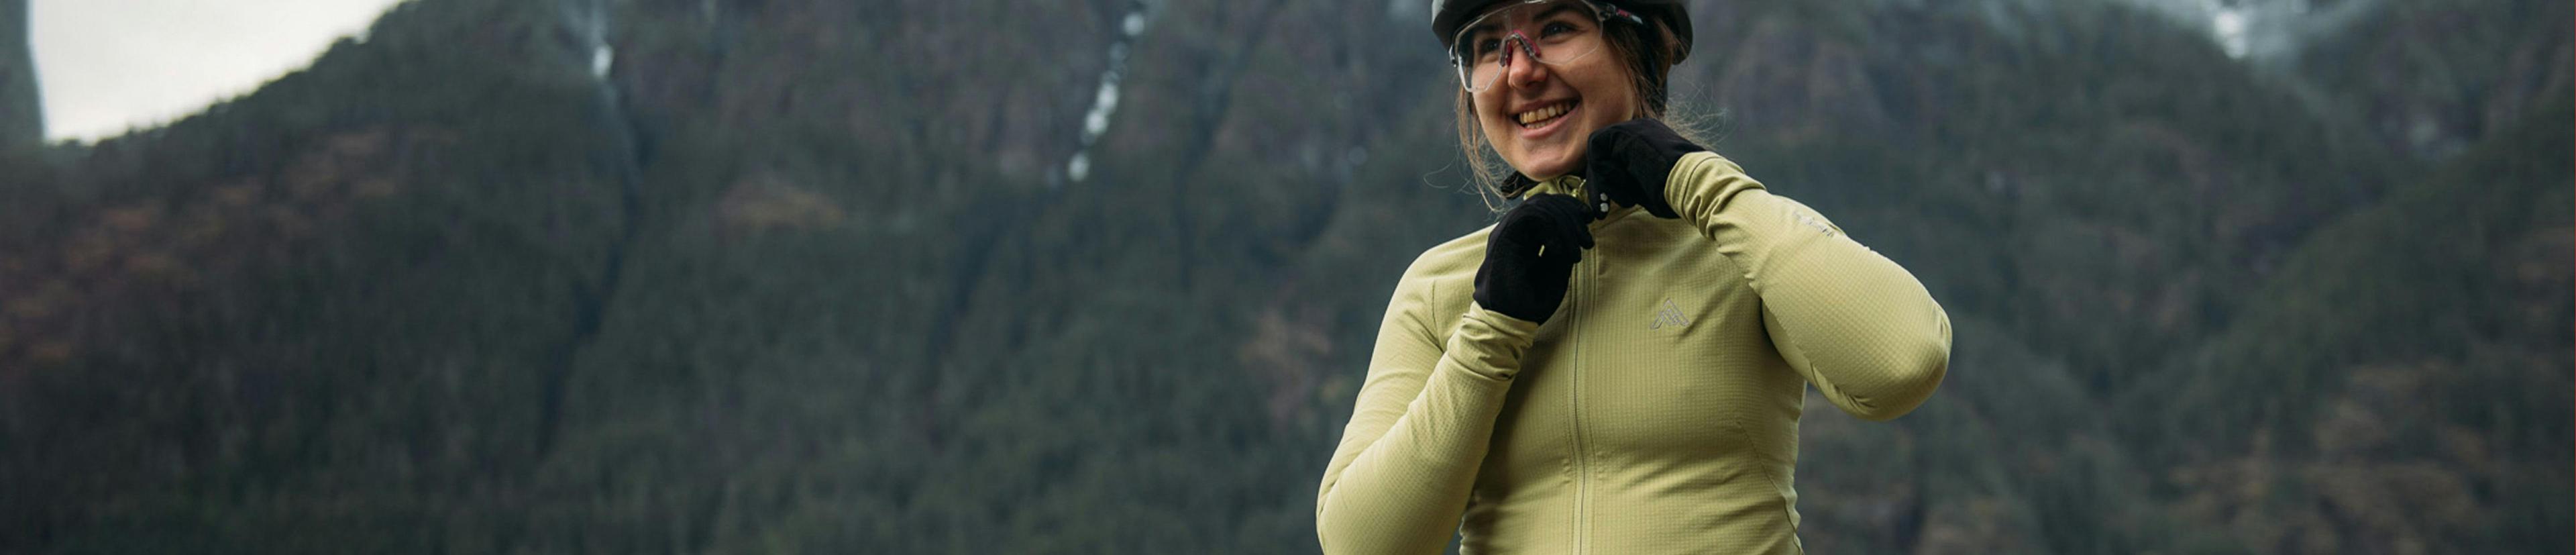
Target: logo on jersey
(1812, 222)
(1670, 317)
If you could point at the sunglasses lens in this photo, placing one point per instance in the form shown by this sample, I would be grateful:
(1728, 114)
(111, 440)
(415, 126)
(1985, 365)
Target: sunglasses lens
(1552, 32)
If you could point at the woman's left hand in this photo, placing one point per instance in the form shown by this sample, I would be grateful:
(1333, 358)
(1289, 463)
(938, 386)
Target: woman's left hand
(1629, 161)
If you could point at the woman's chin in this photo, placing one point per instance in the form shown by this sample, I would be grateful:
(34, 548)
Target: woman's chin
(1550, 169)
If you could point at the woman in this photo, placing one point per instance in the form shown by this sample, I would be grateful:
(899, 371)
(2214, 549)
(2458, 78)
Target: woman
(1621, 374)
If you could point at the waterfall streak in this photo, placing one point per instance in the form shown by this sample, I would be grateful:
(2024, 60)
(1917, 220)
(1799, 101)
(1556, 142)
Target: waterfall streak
(1105, 102)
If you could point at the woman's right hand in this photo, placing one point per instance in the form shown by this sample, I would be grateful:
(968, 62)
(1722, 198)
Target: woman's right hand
(1630, 161)
(1530, 255)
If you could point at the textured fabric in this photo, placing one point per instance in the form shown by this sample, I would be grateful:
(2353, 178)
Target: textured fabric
(1657, 412)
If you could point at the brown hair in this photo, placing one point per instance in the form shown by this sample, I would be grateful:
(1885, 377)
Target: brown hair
(1648, 72)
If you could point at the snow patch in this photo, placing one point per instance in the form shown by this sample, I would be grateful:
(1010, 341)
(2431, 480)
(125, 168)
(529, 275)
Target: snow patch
(2229, 25)
(601, 58)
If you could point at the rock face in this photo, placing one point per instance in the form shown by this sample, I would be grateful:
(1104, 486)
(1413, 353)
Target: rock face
(21, 121)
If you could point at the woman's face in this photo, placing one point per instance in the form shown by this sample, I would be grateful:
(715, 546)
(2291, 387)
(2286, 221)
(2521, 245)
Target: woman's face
(1540, 115)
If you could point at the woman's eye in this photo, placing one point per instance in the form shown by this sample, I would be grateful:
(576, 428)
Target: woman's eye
(1486, 47)
(1555, 28)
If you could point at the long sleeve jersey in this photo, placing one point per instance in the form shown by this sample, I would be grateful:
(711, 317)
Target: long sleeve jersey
(1655, 412)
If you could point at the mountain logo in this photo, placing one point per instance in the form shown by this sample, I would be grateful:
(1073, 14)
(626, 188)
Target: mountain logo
(1670, 317)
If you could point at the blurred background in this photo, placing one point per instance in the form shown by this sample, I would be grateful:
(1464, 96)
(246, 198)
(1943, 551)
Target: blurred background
(917, 276)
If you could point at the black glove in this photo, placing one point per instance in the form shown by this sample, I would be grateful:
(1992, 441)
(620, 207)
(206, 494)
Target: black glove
(1629, 161)
(1530, 254)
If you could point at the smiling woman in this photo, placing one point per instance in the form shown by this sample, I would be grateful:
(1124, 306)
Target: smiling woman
(110, 66)
(1620, 364)
(1581, 40)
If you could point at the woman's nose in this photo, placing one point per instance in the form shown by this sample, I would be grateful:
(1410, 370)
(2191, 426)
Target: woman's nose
(1525, 70)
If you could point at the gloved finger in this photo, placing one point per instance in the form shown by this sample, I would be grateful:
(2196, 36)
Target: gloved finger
(1566, 218)
(1637, 150)
(1523, 224)
(1601, 144)
(1575, 231)
(1570, 235)
(1552, 208)
(1568, 240)
(1561, 252)
(1560, 258)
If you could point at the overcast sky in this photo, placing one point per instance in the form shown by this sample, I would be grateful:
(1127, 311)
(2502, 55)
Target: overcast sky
(107, 65)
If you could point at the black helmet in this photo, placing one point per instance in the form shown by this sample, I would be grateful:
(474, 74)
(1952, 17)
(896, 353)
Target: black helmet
(1447, 15)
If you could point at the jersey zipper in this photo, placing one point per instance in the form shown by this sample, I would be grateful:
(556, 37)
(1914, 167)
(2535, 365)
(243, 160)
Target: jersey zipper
(1582, 453)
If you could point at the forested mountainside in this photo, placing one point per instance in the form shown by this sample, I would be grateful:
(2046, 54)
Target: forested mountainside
(797, 275)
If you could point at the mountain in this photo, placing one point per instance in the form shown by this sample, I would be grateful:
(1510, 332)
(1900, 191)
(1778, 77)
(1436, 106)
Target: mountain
(2407, 73)
(796, 275)
(2404, 71)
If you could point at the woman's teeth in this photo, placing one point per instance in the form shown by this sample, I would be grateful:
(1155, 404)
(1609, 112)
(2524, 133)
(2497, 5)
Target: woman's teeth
(1533, 118)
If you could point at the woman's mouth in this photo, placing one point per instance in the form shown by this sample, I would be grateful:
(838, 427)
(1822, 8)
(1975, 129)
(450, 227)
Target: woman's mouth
(1544, 115)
